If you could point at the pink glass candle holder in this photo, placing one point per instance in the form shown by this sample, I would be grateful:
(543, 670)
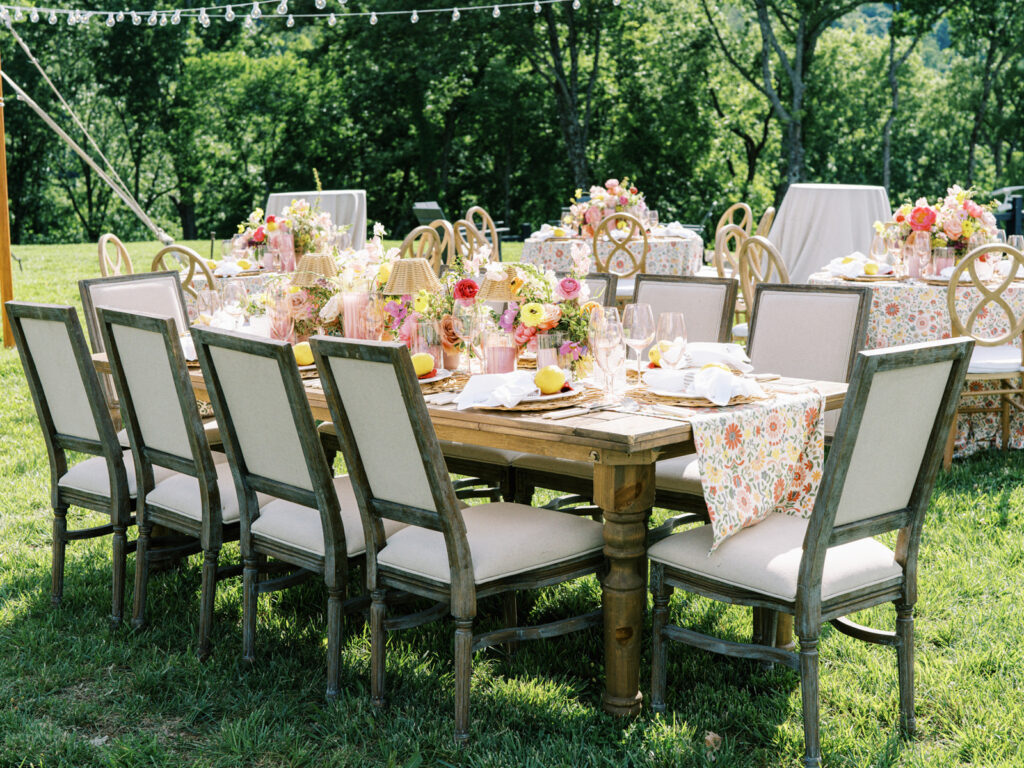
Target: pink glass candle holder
(354, 310)
(500, 351)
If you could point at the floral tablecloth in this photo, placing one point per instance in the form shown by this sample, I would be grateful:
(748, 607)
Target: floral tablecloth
(758, 459)
(666, 255)
(913, 311)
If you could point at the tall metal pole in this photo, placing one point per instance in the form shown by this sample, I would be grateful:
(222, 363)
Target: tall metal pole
(6, 280)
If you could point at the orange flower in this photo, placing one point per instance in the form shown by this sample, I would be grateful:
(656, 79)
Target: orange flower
(552, 314)
(733, 436)
(590, 306)
(517, 284)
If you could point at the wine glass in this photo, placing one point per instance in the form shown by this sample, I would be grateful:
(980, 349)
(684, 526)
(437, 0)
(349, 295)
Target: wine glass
(638, 329)
(235, 301)
(609, 345)
(208, 304)
(652, 218)
(671, 336)
(468, 325)
(1016, 241)
(426, 338)
(922, 253)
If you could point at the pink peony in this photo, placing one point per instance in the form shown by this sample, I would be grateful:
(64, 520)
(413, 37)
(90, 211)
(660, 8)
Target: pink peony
(593, 216)
(408, 328)
(922, 218)
(611, 184)
(465, 290)
(623, 199)
(523, 333)
(974, 210)
(568, 288)
(953, 228)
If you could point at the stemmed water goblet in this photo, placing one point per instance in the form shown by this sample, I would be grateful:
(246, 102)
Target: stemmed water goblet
(638, 329)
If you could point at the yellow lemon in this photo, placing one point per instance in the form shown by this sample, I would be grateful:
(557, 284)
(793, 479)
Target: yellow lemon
(303, 354)
(654, 353)
(244, 264)
(716, 365)
(847, 260)
(211, 263)
(559, 232)
(550, 380)
(871, 268)
(422, 363)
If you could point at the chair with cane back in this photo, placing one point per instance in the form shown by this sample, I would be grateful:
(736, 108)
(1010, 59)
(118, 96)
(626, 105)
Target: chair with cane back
(186, 262)
(121, 263)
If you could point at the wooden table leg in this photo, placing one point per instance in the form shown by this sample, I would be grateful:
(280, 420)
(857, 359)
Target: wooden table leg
(625, 493)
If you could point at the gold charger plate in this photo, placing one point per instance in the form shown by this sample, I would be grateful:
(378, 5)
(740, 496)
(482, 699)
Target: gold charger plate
(581, 395)
(869, 278)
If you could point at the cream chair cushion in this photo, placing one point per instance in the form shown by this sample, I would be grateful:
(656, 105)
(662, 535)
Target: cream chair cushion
(180, 493)
(680, 475)
(91, 476)
(286, 522)
(766, 559)
(1002, 359)
(504, 539)
(497, 456)
(740, 331)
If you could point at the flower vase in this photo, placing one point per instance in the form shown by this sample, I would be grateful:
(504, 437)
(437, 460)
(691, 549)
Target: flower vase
(452, 358)
(287, 249)
(354, 310)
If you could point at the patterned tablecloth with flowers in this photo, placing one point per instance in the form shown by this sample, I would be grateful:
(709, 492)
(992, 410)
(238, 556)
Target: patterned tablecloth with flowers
(666, 255)
(912, 311)
(759, 459)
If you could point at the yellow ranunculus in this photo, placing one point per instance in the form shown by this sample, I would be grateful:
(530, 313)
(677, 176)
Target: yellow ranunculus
(421, 302)
(532, 314)
(272, 226)
(293, 289)
(384, 272)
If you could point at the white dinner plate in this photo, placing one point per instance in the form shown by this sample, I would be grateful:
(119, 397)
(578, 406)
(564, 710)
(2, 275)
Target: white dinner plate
(545, 398)
(441, 375)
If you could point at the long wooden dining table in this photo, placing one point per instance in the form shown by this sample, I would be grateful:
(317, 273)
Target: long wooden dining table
(624, 448)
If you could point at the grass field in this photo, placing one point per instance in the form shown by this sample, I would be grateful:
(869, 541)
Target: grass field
(75, 693)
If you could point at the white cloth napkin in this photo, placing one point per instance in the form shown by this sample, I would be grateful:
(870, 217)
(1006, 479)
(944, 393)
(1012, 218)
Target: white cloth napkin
(227, 269)
(674, 229)
(700, 353)
(714, 383)
(947, 273)
(1003, 267)
(492, 389)
(855, 266)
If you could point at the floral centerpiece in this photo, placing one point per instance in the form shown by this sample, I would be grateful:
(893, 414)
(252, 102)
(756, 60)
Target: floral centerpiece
(309, 226)
(613, 197)
(950, 223)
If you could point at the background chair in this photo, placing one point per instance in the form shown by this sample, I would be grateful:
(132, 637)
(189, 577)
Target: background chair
(194, 495)
(706, 302)
(467, 240)
(758, 261)
(447, 235)
(491, 231)
(626, 256)
(602, 286)
(292, 508)
(764, 226)
(456, 556)
(121, 263)
(185, 258)
(729, 216)
(424, 243)
(878, 477)
(73, 416)
(996, 357)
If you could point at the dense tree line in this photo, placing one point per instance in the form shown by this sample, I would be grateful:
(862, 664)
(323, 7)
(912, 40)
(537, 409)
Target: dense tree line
(701, 102)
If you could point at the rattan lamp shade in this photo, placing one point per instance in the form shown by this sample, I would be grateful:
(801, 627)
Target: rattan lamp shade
(498, 288)
(313, 267)
(409, 276)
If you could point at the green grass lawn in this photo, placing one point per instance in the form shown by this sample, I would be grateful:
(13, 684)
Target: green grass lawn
(75, 693)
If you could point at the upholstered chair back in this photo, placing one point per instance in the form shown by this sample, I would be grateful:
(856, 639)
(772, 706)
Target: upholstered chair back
(706, 303)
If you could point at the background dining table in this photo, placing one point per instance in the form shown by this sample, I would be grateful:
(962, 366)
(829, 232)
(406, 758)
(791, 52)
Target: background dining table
(818, 222)
(624, 448)
(665, 256)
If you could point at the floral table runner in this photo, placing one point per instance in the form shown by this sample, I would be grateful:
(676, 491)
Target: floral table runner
(760, 458)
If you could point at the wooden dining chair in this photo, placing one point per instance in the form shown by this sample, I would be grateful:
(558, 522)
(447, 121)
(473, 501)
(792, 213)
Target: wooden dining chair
(120, 263)
(447, 235)
(758, 261)
(72, 413)
(744, 222)
(454, 555)
(997, 355)
(293, 510)
(764, 226)
(627, 255)
(195, 497)
(157, 292)
(186, 263)
(487, 227)
(878, 477)
(423, 242)
(469, 241)
(728, 241)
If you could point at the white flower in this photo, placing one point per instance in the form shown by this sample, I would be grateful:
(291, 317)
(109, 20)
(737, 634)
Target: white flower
(332, 309)
(378, 229)
(495, 270)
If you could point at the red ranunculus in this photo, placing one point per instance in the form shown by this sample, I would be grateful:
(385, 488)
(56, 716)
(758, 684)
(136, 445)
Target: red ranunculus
(466, 289)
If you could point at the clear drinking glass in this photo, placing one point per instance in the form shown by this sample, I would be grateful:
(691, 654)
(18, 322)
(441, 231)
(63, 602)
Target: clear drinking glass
(638, 328)
(469, 325)
(426, 338)
(671, 336)
(923, 252)
(609, 347)
(1000, 236)
(1016, 241)
(652, 218)
(208, 304)
(549, 347)
(500, 351)
(235, 300)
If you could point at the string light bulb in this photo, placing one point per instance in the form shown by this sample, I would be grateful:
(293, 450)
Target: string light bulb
(496, 12)
(119, 17)
(136, 19)
(415, 17)
(332, 20)
(282, 8)
(456, 15)
(536, 7)
(52, 18)
(291, 21)
(320, 4)
(34, 16)
(373, 19)
(229, 14)
(255, 13)
(18, 15)
(71, 19)
(575, 5)
(152, 20)
(110, 20)
(176, 18)
(616, 2)
(163, 19)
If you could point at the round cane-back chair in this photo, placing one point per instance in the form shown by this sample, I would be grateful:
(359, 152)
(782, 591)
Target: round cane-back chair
(764, 226)
(447, 239)
(759, 262)
(627, 255)
(423, 243)
(728, 241)
(486, 227)
(468, 240)
(186, 262)
(120, 263)
(746, 217)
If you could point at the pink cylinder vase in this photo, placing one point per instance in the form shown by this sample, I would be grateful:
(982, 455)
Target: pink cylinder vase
(452, 358)
(500, 352)
(287, 251)
(354, 309)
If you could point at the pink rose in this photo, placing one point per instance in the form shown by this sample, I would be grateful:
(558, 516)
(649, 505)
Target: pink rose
(465, 291)
(974, 210)
(623, 200)
(922, 218)
(611, 184)
(408, 328)
(953, 228)
(523, 333)
(552, 314)
(299, 305)
(568, 288)
(593, 216)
